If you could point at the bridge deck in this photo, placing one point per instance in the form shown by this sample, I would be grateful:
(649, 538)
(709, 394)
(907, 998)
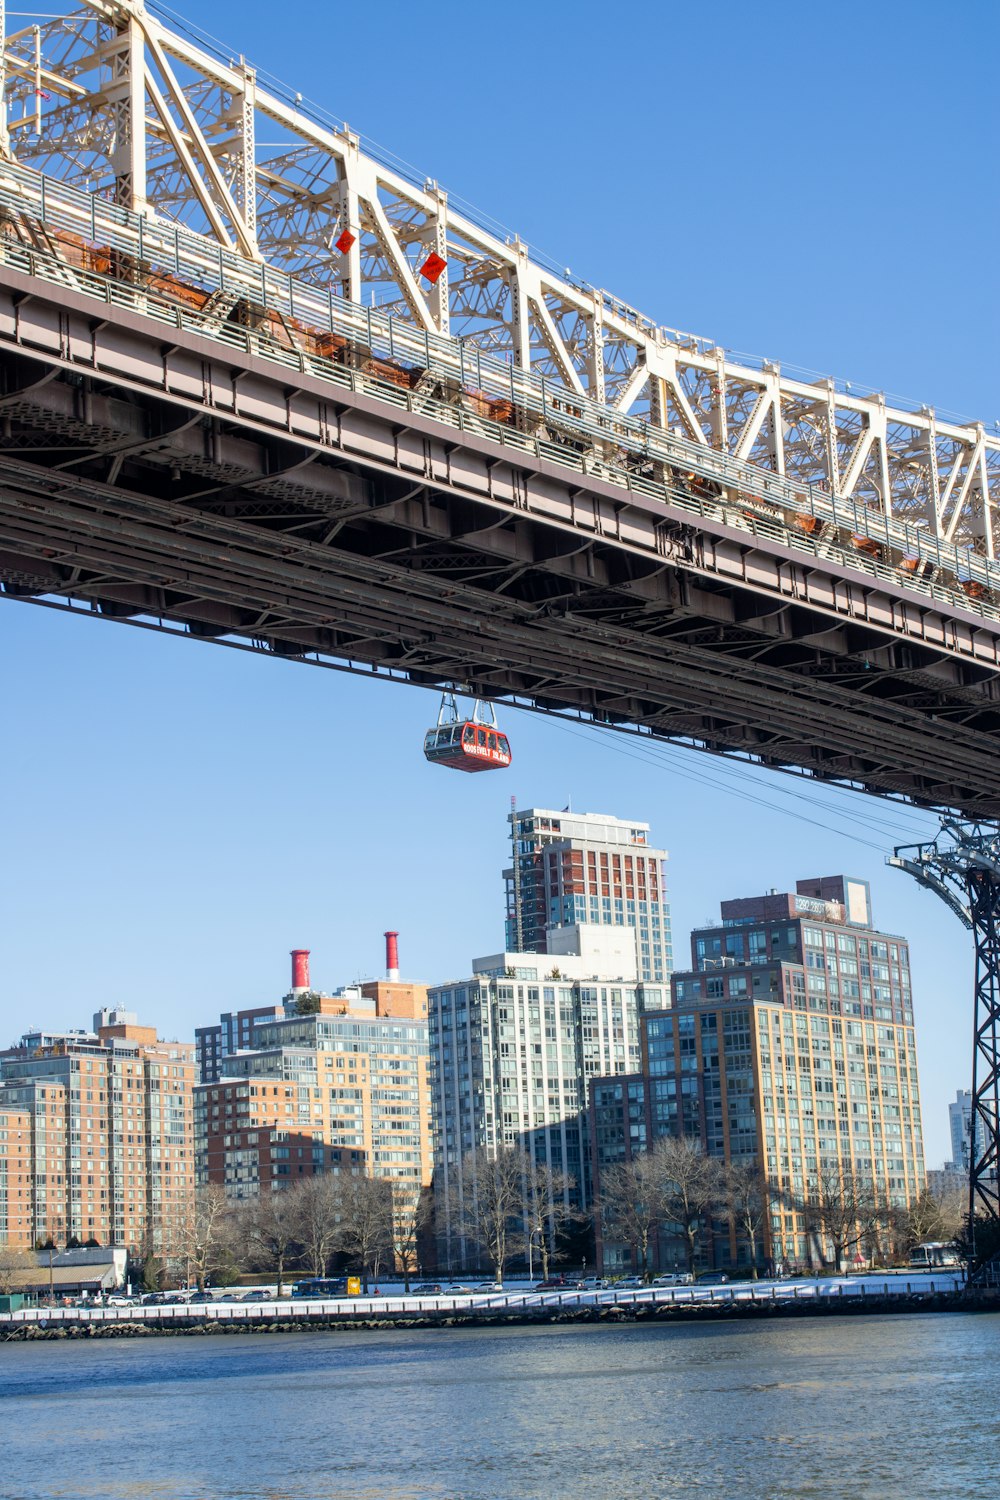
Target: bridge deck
(161, 466)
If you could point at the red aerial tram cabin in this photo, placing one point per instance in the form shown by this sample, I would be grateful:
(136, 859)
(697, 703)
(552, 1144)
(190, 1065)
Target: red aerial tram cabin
(466, 744)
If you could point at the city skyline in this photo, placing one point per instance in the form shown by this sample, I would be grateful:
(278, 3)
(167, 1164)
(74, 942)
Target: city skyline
(184, 963)
(345, 1083)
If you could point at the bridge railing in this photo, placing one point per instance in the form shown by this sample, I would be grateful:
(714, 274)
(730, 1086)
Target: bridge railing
(746, 512)
(609, 437)
(776, 1295)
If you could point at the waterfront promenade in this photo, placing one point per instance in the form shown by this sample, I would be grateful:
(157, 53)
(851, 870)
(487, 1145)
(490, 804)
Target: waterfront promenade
(821, 1295)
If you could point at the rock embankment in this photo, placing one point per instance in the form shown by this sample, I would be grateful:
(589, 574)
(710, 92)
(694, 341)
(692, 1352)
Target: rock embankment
(633, 1312)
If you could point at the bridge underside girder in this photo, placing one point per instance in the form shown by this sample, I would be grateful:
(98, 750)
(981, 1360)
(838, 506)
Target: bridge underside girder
(174, 483)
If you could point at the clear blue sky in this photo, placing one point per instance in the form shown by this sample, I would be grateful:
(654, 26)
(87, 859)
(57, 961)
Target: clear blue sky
(806, 187)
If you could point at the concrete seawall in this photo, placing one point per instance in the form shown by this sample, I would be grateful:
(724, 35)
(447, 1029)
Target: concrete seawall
(71, 1323)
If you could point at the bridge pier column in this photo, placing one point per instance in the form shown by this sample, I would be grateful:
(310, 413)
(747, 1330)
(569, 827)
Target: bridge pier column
(984, 1143)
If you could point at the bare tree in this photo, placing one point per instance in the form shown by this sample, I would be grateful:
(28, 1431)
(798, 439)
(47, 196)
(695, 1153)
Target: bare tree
(928, 1219)
(745, 1198)
(954, 1205)
(888, 1241)
(147, 1262)
(269, 1230)
(14, 1265)
(318, 1207)
(366, 1232)
(632, 1207)
(546, 1207)
(203, 1237)
(841, 1209)
(410, 1222)
(490, 1202)
(690, 1187)
(881, 1244)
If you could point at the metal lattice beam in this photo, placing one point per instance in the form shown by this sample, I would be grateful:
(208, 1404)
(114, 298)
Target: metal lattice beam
(112, 98)
(984, 1147)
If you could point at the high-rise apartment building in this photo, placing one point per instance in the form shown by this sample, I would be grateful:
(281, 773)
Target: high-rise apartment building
(337, 1083)
(960, 1128)
(954, 1176)
(104, 1120)
(576, 869)
(619, 1117)
(233, 1032)
(236, 1031)
(790, 1044)
(513, 1050)
(17, 1177)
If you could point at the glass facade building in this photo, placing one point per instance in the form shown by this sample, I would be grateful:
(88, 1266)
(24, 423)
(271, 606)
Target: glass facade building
(513, 1051)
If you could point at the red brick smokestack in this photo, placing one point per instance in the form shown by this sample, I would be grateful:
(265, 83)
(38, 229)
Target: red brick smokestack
(300, 970)
(391, 955)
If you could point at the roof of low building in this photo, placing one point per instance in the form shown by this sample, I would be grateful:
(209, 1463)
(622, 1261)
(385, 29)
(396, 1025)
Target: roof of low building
(62, 1278)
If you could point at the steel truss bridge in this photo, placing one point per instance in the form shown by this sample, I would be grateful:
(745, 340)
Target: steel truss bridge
(292, 399)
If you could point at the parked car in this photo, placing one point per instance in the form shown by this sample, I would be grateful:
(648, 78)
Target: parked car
(628, 1283)
(488, 1286)
(595, 1283)
(674, 1278)
(712, 1278)
(558, 1284)
(258, 1295)
(456, 1289)
(201, 1297)
(427, 1289)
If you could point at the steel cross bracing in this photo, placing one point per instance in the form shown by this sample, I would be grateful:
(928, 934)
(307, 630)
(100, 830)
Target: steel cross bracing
(962, 866)
(116, 101)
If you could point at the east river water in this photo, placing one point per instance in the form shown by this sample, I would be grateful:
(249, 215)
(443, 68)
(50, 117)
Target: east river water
(872, 1408)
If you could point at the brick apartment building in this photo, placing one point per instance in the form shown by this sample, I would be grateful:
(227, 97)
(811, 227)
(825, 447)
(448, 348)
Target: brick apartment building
(334, 1083)
(788, 1043)
(97, 1139)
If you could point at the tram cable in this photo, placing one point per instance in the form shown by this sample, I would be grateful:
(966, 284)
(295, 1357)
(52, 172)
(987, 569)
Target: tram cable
(669, 757)
(675, 755)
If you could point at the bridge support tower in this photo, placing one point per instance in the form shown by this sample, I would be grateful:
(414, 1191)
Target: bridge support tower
(962, 866)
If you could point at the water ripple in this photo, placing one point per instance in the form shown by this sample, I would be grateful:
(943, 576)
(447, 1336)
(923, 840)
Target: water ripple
(806, 1410)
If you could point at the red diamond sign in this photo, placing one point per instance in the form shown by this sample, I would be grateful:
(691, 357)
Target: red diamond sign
(432, 267)
(345, 241)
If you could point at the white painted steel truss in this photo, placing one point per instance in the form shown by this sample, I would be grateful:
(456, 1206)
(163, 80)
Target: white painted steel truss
(116, 101)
